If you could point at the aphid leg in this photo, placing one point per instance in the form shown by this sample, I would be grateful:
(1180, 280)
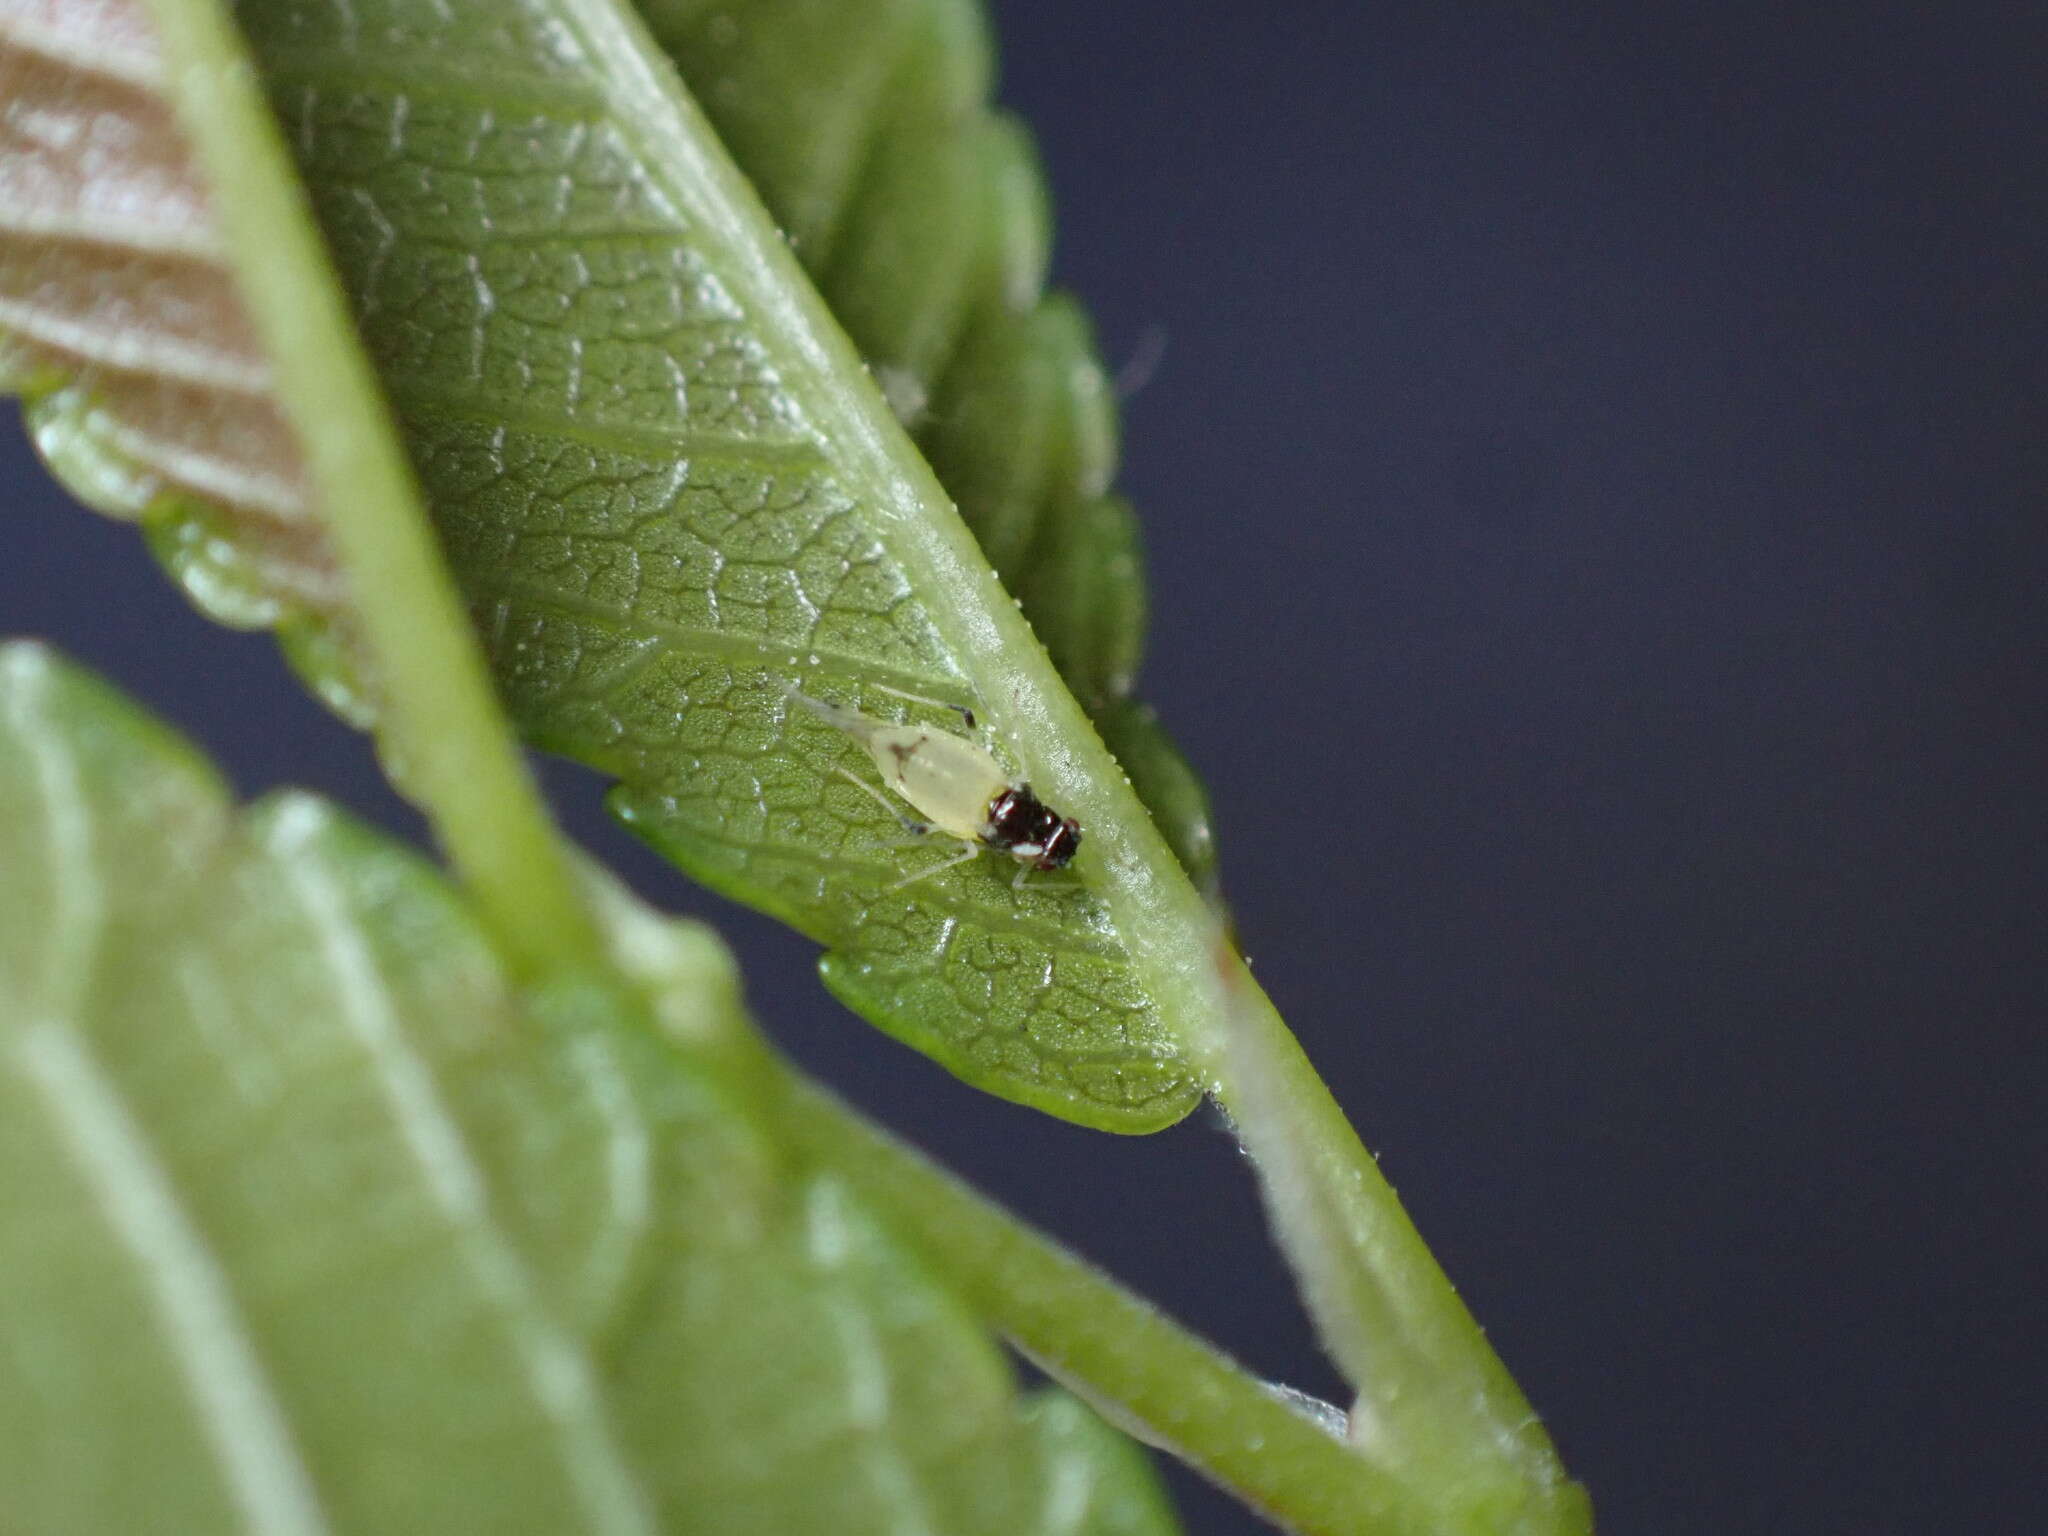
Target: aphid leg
(909, 824)
(1023, 874)
(967, 851)
(961, 710)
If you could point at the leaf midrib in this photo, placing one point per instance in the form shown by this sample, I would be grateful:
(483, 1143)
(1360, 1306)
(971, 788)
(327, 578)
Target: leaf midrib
(241, 1417)
(564, 1380)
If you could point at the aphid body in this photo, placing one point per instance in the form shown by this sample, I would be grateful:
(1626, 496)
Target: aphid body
(956, 787)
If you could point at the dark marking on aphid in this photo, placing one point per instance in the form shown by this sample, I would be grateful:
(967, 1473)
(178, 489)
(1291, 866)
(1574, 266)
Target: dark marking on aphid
(1026, 827)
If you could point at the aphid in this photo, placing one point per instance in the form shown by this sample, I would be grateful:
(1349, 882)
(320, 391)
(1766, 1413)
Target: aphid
(957, 787)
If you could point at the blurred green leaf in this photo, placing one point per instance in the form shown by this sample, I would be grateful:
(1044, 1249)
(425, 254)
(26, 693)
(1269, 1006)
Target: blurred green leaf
(310, 1221)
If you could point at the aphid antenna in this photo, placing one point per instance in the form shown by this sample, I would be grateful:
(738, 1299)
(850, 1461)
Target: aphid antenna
(853, 722)
(838, 716)
(966, 714)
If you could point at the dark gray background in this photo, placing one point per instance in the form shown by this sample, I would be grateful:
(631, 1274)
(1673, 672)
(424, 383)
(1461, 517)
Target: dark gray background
(1594, 484)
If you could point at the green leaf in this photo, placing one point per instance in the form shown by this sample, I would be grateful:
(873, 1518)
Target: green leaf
(921, 214)
(1109, 1487)
(641, 480)
(311, 1221)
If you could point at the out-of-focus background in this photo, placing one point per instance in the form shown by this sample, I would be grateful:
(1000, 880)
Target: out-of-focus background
(1595, 480)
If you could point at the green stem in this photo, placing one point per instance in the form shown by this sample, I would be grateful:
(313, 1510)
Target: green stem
(440, 724)
(1435, 1406)
(1140, 1367)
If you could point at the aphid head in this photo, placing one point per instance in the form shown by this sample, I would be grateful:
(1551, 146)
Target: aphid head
(1059, 848)
(1029, 831)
